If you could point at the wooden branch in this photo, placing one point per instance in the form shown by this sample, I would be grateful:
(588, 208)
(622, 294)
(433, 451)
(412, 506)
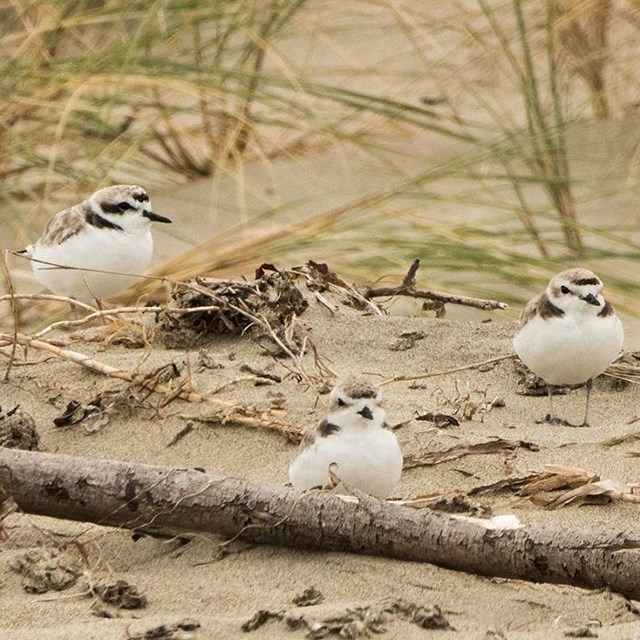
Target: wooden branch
(408, 288)
(135, 496)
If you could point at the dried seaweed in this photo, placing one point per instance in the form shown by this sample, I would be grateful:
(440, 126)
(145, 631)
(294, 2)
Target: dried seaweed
(46, 569)
(18, 430)
(360, 621)
(272, 299)
(121, 594)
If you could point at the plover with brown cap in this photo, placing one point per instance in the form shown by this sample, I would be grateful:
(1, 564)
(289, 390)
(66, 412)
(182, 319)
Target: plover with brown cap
(354, 440)
(109, 231)
(569, 334)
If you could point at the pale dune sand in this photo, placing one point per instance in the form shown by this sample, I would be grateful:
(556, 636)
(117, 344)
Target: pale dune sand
(192, 581)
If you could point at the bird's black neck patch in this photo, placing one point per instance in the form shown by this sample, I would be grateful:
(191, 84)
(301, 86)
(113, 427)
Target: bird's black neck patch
(326, 428)
(547, 309)
(97, 221)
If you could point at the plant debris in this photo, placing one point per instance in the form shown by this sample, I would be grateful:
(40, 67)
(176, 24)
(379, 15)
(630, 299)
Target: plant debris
(456, 503)
(309, 597)
(46, 569)
(435, 300)
(581, 632)
(612, 442)
(126, 400)
(578, 487)
(121, 594)
(18, 430)
(407, 340)
(354, 622)
(426, 617)
(467, 403)
(169, 631)
(272, 299)
(495, 445)
(260, 618)
(248, 416)
(75, 412)
(441, 420)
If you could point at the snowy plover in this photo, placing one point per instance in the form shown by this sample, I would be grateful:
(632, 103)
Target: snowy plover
(569, 334)
(109, 231)
(354, 440)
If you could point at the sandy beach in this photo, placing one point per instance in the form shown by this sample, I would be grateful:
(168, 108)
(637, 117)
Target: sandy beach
(223, 587)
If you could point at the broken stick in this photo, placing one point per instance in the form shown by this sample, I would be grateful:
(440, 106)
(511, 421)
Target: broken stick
(408, 288)
(132, 495)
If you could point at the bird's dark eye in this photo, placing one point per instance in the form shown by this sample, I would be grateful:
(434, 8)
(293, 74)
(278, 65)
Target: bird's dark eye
(341, 402)
(124, 206)
(565, 289)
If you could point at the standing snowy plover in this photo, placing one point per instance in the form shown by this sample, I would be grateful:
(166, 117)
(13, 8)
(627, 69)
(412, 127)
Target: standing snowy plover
(569, 334)
(354, 440)
(109, 231)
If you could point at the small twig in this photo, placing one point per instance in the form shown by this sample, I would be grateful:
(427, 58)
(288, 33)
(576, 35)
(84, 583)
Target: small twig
(264, 420)
(408, 288)
(47, 296)
(188, 428)
(95, 313)
(238, 380)
(260, 374)
(410, 279)
(443, 372)
(290, 432)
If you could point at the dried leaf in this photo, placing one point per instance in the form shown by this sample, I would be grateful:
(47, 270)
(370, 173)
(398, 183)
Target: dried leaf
(579, 485)
(495, 445)
(600, 492)
(441, 420)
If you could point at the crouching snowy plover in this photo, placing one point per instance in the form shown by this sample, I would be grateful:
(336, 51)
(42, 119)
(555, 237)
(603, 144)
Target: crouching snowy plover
(569, 334)
(109, 231)
(354, 441)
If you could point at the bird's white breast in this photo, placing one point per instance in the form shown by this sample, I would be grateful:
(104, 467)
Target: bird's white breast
(102, 249)
(370, 461)
(570, 349)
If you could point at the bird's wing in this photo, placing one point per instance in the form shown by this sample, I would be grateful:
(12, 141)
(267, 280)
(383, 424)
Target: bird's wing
(322, 430)
(64, 225)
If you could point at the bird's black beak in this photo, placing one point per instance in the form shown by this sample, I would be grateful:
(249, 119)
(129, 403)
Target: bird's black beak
(155, 217)
(591, 299)
(365, 412)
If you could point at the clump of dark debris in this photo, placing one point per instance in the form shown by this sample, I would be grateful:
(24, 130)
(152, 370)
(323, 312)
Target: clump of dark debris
(352, 622)
(269, 302)
(266, 306)
(182, 630)
(18, 430)
(308, 598)
(46, 569)
(121, 594)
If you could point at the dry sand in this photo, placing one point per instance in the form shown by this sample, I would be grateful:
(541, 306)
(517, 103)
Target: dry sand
(222, 592)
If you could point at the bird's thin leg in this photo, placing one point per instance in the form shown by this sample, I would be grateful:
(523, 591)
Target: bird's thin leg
(550, 416)
(585, 422)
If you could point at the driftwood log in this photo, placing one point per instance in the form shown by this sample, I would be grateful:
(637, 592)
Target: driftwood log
(136, 496)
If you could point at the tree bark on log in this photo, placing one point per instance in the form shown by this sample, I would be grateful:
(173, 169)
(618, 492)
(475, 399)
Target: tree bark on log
(135, 496)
